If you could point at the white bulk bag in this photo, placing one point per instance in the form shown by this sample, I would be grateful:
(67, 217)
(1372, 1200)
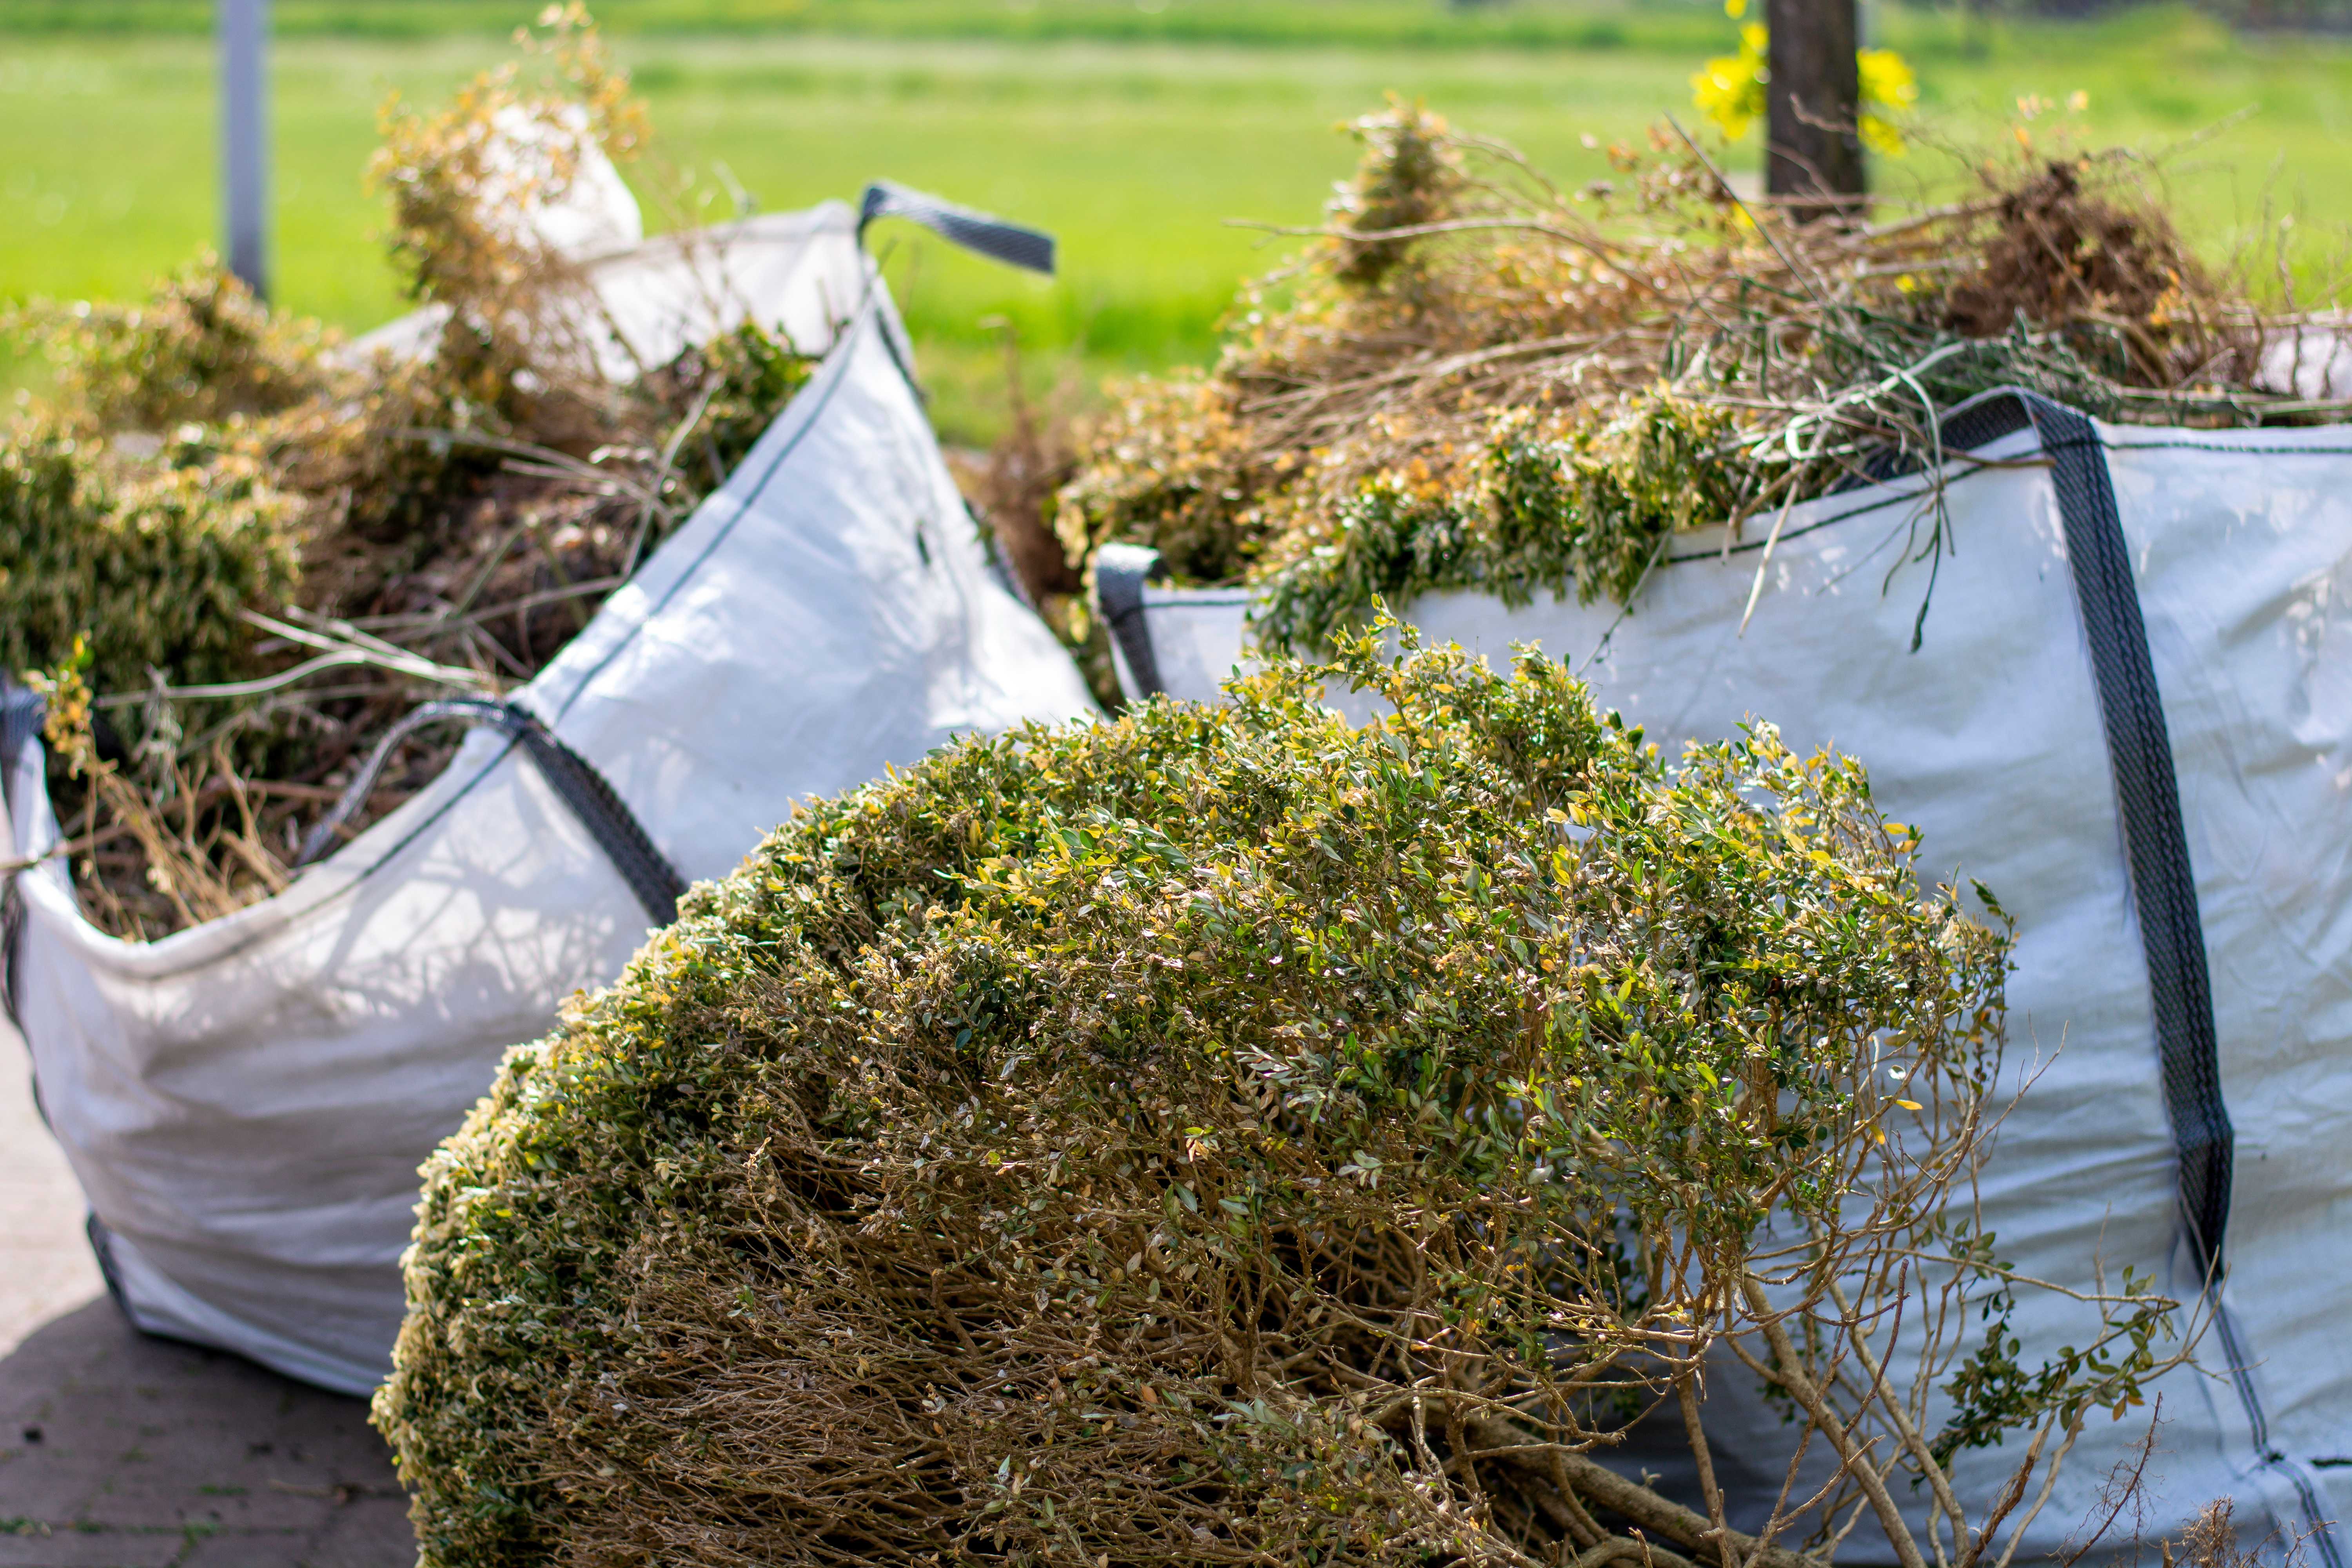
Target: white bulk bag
(246, 1102)
(2235, 549)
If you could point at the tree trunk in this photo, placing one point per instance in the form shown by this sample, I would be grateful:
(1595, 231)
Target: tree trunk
(1814, 101)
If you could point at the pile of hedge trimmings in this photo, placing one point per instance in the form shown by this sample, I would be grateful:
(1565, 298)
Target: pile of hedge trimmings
(1067, 1149)
(216, 494)
(1474, 378)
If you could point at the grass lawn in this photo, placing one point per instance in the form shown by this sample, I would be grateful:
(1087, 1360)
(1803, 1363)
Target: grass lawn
(1128, 136)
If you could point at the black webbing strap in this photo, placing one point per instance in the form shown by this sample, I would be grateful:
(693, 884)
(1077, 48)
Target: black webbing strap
(609, 821)
(574, 779)
(1121, 572)
(2148, 799)
(980, 232)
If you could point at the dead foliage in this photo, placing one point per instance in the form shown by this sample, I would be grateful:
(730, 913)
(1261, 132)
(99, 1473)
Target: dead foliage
(2059, 250)
(2212, 1540)
(1013, 485)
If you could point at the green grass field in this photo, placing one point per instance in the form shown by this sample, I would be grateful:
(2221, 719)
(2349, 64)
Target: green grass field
(1131, 131)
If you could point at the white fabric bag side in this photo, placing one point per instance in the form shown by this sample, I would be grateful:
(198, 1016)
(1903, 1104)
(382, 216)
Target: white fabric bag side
(246, 1102)
(1990, 740)
(2242, 548)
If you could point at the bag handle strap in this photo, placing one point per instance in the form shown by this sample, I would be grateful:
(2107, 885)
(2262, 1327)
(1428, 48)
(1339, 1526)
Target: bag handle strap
(574, 779)
(982, 232)
(2148, 796)
(1121, 572)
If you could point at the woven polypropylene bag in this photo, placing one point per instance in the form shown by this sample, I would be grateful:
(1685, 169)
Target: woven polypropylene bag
(246, 1102)
(1990, 738)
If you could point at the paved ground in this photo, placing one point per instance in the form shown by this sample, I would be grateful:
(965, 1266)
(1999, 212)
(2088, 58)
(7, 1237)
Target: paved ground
(119, 1451)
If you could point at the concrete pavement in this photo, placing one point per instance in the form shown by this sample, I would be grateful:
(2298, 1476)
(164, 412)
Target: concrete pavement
(121, 1451)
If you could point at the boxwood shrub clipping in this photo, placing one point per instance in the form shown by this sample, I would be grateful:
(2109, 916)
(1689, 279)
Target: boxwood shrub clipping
(1228, 1133)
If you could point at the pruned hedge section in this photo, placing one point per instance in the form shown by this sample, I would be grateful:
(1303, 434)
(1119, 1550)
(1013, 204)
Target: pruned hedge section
(1219, 1134)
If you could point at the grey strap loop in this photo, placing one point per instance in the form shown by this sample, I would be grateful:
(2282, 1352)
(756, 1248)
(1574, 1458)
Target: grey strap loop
(321, 837)
(600, 809)
(980, 232)
(1121, 572)
(574, 779)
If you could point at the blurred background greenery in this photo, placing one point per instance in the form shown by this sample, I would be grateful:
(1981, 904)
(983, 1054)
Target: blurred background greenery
(1133, 128)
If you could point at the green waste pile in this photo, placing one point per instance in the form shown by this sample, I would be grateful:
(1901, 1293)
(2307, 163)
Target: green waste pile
(233, 552)
(1472, 378)
(1224, 1134)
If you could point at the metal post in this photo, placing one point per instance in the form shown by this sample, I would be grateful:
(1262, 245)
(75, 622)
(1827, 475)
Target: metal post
(245, 139)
